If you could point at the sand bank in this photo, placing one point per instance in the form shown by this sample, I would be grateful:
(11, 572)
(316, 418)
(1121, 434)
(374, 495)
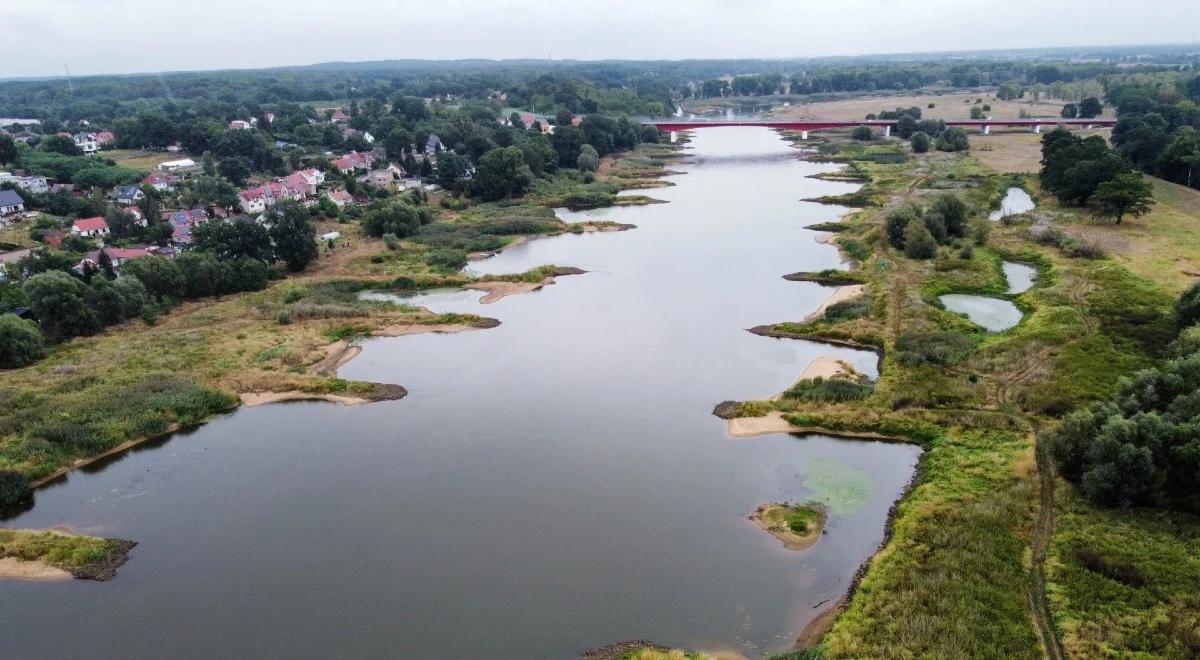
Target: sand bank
(251, 399)
(17, 569)
(840, 294)
(772, 519)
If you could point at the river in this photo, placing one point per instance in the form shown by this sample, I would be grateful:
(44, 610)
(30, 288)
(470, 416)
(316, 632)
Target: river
(548, 486)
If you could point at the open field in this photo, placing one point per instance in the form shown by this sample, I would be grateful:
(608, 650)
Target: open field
(141, 160)
(953, 105)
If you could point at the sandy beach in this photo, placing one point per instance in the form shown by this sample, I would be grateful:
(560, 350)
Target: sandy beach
(840, 294)
(251, 399)
(16, 569)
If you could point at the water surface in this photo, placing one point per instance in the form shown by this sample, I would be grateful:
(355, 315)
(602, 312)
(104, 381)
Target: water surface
(995, 314)
(1015, 201)
(551, 485)
(1020, 276)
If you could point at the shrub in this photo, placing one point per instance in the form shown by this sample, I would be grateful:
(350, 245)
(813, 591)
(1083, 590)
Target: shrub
(829, 389)
(20, 342)
(847, 310)
(391, 241)
(284, 317)
(72, 435)
(1187, 307)
(897, 221)
(918, 242)
(940, 348)
(861, 133)
(954, 213)
(14, 487)
(453, 259)
(921, 142)
(953, 139)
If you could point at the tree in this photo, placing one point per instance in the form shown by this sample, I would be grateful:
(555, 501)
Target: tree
(295, 239)
(906, 126)
(861, 133)
(230, 240)
(20, 342)
(1187, 307)
(567, 141)
(59, 302)
(589, 159)
(210, 166)
(920, 142)
(237, 169)
(897, 221)
(1070, 111)
(8, 149)
(160, 277)
(918, 242)
(60, 144)
(150, 204)
(953, 139)
(1127, 194)
(1008, 91)
(397, 217)
(451, 170)
(501, 174)
(953, 212)
(976, 112)
(1090, 107)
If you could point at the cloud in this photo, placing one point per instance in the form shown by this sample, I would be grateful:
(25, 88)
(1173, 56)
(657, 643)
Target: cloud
(121, 36)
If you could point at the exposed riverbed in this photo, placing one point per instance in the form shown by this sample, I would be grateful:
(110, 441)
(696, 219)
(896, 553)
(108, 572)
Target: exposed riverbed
(548, 486)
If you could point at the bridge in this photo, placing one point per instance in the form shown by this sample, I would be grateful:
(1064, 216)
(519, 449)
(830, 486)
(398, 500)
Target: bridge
(886, 125)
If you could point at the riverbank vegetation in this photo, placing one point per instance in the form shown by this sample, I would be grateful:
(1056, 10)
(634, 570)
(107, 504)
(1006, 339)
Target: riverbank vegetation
(85, 557)
(968, 548)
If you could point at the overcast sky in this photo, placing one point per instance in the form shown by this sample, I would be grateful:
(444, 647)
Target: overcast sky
(125, 36)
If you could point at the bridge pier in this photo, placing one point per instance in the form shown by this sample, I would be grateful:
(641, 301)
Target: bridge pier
(1037, 128)
(1088, 127)
(803, 135)
(673, 137)
(887, 131)
(987, 129)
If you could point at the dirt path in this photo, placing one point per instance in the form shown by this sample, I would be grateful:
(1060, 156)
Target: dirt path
(1039, 604)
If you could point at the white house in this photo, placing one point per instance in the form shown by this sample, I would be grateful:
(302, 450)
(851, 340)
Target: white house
(175, 165)
(33, 184)
(10, 203)
(240, 125)
(88, 227)
(86, 142)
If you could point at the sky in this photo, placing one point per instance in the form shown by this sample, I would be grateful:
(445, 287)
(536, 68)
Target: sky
(128, 36)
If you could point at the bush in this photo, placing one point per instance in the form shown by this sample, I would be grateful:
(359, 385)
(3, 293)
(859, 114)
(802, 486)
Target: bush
(20, 342)
(14, 487)
(921, 142)
(453, 259)
(940, 348)
(391, 241)
(897, 221)
(862, 133)
(1187, 307)
(72, 435)
(829, 389)
(284, 317)
(919, 243)
(847, 310)
(953, 139)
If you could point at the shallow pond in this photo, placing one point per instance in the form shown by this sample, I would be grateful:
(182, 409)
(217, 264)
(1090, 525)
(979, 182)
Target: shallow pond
(1015, 201)
(1020, 276)
(995, 314)
(551, 485)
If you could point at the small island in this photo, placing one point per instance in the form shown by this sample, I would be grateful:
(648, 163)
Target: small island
(797, 526)
(54, 555)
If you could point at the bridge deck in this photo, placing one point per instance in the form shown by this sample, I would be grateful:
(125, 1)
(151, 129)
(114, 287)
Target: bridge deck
(812, 125)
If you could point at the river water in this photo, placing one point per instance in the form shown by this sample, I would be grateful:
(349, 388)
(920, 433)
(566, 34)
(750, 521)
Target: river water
(548, 486)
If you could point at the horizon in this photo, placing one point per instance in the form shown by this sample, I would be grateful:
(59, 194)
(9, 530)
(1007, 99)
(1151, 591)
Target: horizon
(618, 31)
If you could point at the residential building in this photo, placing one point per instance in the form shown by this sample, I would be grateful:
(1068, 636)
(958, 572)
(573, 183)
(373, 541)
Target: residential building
(306, 180)
(31, 184)
(177, 165)
(341, 198)
(379, 178)
(433, 145)
(160, 181)
(86, 142)
(354, 161)
(129, 195)
(257, 200)
(339, 117)
(105, 137)
(240, 125)
(11, 203)
(117, 256)
(90, 227)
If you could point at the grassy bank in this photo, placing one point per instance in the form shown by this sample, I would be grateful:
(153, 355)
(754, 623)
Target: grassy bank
(955, 578)
(85, 557)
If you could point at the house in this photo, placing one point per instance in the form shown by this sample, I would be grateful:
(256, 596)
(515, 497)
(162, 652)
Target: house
(270, 117)
(86, 142)
(138, 218)
(305, 180)
(160, 181)
(240, 125)
(339, 117)
(354, 161)
(105, 137)
(89, 227)
(433, 145)
(341, 198)
(177, 165)
(10, 203)
(379, 178)
(182, 223)
(348, 133)
(116, 255)
(129, 195)
(64, 188)
(252, 201)
(31, 184)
